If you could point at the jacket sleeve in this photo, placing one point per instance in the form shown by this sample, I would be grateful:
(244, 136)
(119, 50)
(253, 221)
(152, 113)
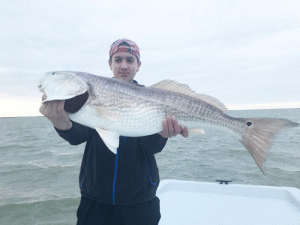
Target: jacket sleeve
(153, 143)
(76, 135)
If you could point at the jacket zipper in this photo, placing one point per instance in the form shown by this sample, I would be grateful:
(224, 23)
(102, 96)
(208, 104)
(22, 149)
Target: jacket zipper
(115, 176)
(148, 169)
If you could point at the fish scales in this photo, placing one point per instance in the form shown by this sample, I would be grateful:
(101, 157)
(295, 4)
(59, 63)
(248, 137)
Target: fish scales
(121, 100)
(115, 108)
(156, 99)
(169, 103)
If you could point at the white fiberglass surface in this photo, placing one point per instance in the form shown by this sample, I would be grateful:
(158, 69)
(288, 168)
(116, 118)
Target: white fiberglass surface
(185, 207)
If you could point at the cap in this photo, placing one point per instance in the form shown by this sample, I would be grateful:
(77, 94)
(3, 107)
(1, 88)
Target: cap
(125, 45)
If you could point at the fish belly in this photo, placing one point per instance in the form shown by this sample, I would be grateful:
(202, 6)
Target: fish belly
(134, 122)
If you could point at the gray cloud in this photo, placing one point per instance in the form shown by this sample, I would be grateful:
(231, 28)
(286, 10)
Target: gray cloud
(237, 51)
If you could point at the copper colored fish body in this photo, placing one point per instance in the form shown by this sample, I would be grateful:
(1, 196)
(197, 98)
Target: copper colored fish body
(114, 107)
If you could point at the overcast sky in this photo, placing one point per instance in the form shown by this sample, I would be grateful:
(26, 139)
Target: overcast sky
(245, 53)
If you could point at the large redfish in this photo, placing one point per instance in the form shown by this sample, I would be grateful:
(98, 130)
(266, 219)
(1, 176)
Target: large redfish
(114, 107)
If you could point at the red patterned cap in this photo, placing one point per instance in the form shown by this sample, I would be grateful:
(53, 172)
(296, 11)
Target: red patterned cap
(129, 46)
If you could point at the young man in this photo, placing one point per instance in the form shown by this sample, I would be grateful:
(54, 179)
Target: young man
(121, 188)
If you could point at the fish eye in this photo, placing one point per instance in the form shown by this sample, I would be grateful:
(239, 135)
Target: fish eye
(249, 124)
(53, 73)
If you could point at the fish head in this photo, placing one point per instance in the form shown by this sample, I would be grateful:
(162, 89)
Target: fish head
(62, 85)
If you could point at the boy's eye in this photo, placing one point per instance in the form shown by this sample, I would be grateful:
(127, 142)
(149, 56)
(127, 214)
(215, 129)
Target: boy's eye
(118, 60)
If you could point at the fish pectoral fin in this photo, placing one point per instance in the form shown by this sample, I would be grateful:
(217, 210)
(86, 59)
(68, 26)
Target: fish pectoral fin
(110, 139)
(197, 130)
(105, 114)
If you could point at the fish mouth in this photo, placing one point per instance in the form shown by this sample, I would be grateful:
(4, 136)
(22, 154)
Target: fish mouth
(40, 87)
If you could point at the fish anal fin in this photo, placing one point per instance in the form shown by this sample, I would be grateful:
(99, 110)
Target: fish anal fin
(110, 139)
(196, 130)
(173, 86)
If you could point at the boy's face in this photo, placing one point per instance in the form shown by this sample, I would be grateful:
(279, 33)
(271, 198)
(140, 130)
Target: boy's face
(124, 66)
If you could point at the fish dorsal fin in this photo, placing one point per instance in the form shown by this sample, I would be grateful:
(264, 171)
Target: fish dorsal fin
(110, 139)
(173, 86)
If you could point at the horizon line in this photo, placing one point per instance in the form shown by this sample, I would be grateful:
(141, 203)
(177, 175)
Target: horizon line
(236, 109)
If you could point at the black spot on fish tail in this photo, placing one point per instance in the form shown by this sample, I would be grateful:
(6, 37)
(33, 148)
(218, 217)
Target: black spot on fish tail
(73, 105)
(259, 135)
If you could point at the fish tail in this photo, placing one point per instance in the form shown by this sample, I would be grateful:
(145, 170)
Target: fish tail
(260, 134)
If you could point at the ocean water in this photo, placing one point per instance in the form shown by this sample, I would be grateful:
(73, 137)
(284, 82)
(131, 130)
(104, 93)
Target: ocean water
(39, 170)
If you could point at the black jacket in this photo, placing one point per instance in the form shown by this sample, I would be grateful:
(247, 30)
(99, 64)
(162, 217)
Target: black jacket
(128, 177)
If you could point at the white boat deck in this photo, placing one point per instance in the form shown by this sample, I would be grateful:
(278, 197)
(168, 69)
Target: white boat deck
(189, 202)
